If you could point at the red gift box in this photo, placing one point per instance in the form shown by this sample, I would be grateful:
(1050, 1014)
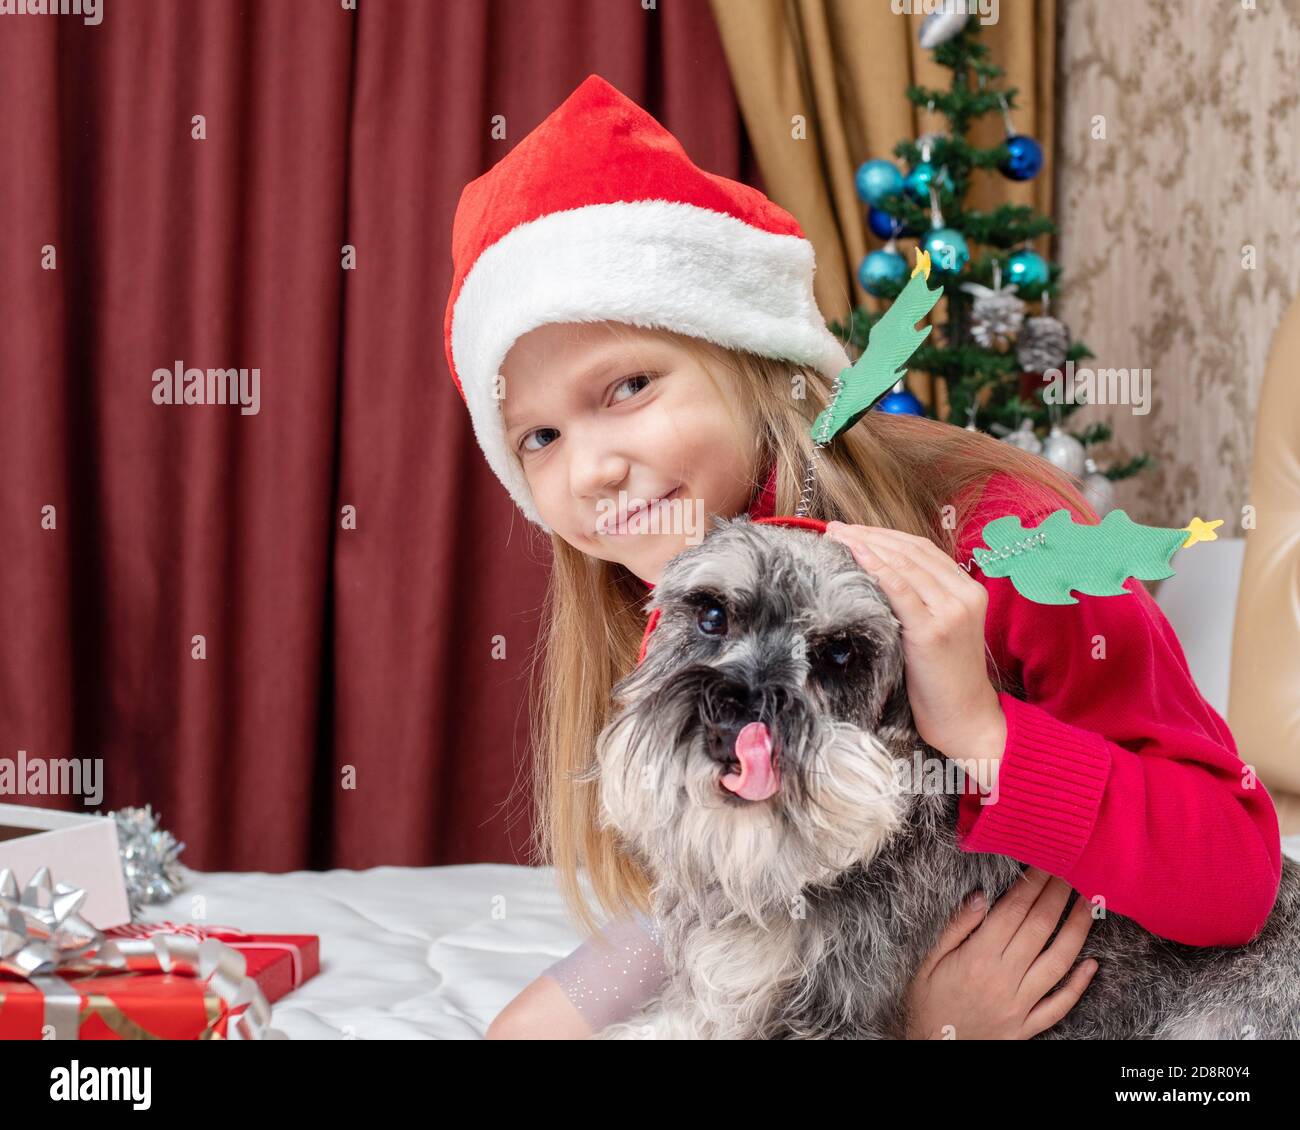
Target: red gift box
(117, 1006)
(278, 963)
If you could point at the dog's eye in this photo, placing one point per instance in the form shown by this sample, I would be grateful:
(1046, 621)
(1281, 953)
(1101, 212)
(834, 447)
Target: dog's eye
(712, 619)
(839, 655)
(840, 652)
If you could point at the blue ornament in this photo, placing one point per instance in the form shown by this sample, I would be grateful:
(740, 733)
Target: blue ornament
(1025, 159)
(1027, 269)
(917, 182)
(900, 402)
(877, 179)
(881, 267)
(948, 250)
(882, 224)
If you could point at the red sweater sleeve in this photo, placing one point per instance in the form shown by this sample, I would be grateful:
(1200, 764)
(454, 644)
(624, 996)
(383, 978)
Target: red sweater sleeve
(1117, 775)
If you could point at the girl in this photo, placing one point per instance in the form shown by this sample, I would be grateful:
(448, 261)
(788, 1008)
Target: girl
(632, 334)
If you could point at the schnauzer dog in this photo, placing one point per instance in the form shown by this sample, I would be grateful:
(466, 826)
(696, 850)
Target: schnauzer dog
(753, 764)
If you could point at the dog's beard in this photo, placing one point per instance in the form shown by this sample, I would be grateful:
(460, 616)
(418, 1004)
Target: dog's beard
(839, 800)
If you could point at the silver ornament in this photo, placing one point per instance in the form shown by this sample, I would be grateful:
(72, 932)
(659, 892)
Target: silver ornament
(925, 143)
(1064, 451)
(1043, 344)
(149, 857)
(1024, 438)
(940, 26)
(1097, 489)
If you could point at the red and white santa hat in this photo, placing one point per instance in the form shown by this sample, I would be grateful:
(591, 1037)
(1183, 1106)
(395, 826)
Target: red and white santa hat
(599, 215)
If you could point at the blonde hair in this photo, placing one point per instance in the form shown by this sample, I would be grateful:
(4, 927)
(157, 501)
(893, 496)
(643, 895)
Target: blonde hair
(886, 470)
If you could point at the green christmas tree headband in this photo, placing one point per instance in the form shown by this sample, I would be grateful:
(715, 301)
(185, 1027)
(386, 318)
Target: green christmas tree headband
(1044, 562)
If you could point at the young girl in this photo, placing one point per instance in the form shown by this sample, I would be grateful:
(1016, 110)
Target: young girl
(629, 334)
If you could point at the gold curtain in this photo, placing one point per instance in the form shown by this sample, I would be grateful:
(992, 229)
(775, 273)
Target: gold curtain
(841, 67)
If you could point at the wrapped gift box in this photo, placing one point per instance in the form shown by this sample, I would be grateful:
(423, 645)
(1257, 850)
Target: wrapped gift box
(278, 963)
(117, 1006)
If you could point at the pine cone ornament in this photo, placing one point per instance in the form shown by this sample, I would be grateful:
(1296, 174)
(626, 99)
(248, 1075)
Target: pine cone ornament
(996, 316)
(1043, 344)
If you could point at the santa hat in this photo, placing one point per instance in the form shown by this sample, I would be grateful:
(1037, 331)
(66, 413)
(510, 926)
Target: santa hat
(599, 215)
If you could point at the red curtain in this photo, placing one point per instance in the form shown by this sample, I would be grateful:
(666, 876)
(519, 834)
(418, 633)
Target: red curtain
(347, 710)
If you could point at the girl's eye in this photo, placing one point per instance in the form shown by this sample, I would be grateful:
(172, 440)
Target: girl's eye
(523, 443)
(646, 377)
(628, 380)
(712, 619)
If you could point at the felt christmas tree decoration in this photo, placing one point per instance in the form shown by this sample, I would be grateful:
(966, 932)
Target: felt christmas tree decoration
(890, 346)
(1047, 561)
(1059, 555)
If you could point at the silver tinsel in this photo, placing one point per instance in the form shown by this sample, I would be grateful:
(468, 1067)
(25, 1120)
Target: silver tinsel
(149, 857)
(1043, 344)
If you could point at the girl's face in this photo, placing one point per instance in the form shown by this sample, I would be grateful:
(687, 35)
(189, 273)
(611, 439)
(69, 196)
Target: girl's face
(607, 418)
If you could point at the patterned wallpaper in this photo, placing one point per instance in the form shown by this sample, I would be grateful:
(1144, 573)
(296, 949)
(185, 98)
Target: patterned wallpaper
(1178, 180)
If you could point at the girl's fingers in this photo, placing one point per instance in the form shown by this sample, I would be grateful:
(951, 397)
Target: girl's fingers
(1027, 942)
(1009, 911)
(969, 915)
(907, 602)
(1050, 1009)
(947, 579)
(894, 562)
(1052, 963)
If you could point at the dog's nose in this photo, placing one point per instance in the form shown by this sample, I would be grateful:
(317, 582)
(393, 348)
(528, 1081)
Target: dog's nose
(721, 744)
(729, 706)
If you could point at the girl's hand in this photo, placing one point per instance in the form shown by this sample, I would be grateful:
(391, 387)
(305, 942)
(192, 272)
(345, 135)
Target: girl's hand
(941, 609)
(987, 975)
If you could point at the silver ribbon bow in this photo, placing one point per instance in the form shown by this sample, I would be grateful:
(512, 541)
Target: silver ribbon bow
(42, 934)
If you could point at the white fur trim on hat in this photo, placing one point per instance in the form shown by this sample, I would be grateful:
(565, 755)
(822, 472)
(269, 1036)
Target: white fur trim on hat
(649, 263)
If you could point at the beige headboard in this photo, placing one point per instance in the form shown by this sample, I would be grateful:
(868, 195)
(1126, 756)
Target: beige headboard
(1264, 693)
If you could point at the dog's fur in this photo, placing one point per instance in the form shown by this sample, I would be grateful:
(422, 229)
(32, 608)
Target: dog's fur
(807, 914)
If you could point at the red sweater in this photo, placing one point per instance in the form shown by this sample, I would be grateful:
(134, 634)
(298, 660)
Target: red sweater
(1117, 775)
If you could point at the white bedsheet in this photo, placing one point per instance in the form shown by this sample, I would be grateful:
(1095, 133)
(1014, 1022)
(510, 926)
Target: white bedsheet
(406, 952)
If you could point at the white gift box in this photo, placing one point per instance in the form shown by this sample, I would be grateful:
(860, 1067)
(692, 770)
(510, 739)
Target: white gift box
(79, 849)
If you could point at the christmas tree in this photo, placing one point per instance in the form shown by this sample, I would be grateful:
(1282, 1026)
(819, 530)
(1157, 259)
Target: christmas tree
(991, 353)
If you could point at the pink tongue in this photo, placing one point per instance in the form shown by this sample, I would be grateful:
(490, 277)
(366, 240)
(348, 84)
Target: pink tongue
(758, 778)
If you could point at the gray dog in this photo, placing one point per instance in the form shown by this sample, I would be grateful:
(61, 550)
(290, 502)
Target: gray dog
(753, 763)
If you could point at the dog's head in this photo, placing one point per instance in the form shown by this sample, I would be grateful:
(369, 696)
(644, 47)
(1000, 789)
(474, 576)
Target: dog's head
(754, 749)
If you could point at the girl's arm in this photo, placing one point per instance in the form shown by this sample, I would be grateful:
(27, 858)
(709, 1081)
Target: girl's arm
(1117, 775)
(541, 1012)
(604, 980)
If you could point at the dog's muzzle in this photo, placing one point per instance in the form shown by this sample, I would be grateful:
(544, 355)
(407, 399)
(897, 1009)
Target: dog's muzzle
(740, 740)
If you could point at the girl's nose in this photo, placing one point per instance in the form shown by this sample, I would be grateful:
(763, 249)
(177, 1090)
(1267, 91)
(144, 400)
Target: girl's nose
(597, 475)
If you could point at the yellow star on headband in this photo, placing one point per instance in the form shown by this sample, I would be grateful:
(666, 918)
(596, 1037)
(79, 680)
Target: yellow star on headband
(1201, 531)
(922, 264)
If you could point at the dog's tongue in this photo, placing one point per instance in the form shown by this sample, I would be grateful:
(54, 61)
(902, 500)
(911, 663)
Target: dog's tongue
(758, 778)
